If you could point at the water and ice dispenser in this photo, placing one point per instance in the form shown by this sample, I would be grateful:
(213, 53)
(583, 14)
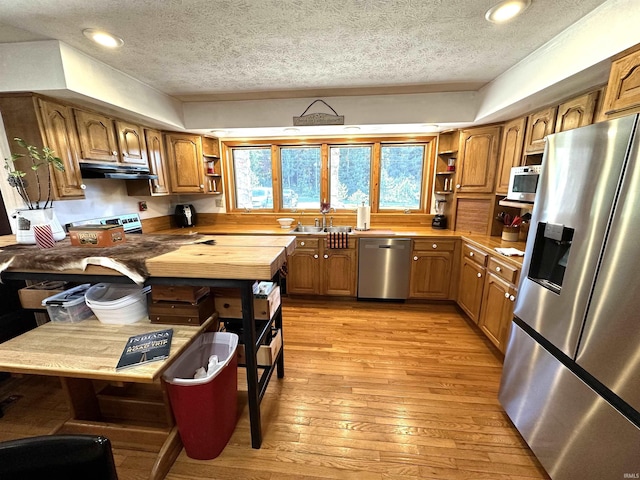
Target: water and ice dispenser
(550, 254)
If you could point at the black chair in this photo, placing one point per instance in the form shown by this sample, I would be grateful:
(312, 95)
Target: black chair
(72, 457)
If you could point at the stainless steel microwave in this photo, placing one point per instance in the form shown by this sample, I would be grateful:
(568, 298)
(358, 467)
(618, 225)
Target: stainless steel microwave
(523, 183)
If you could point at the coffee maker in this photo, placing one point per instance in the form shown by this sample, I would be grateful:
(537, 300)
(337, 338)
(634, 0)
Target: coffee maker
(185, 216)
(439, 220)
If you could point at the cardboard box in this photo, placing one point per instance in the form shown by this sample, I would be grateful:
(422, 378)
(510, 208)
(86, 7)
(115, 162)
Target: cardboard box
(96, 235)
(32, 296)
(267, 354)
(229, 305)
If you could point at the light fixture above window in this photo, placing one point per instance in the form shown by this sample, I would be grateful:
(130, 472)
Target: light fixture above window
(506, 10)
(103, 38)
(218, 133)
(352, 129)
(291, 130)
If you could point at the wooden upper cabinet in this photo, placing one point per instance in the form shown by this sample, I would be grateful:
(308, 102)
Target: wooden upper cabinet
(60, 134)
(184, 155)
(157, 162)
(157, 166)
(539, 125)
(577, 112)
(131, 143)
(511, 147)
(97, 137)
(623, 89)
(477, 160)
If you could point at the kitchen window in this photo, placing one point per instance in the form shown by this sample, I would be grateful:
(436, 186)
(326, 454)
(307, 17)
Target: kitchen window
(401, 170)
(294, 175)
(301, 174)
(253, 178)
(350, 175)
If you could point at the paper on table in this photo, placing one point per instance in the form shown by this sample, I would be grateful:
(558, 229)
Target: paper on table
(510, 252)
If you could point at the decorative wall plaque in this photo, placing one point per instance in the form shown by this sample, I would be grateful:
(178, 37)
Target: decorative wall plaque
(318, 118)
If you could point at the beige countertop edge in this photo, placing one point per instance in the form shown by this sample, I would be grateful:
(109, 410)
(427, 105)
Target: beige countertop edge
(485, 242)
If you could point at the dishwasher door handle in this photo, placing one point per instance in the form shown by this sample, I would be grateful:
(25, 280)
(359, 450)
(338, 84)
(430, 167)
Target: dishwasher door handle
(394, 247)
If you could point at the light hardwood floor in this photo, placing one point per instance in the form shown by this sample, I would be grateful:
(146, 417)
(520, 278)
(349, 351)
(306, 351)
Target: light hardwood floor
(372, 390)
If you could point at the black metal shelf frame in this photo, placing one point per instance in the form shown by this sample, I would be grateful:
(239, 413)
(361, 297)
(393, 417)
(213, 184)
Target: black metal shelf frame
(256, 387)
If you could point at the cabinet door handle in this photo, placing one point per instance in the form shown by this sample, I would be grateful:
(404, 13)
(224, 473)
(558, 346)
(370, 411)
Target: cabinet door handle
(479, 275)
(458, 185)
(326, 256)
(415, 258)
(498, 269)
(114, 153)
(435, 245)
(125, 154)
(302, 244)
(512, 298)
(201, 187)
(471, 254)
(315, 256)
(506, 295)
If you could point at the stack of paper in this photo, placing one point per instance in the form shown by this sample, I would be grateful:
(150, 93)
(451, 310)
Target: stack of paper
(510, 252)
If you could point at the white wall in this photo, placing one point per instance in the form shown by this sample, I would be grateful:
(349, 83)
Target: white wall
(574, 60)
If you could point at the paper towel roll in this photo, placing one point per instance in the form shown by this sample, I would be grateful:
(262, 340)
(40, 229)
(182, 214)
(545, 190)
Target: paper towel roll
(363, 218)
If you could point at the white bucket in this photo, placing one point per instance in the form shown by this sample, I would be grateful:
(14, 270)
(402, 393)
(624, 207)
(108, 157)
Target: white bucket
(117, 303)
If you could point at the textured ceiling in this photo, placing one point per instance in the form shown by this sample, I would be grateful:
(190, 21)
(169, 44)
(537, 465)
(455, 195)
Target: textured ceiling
(199, 49)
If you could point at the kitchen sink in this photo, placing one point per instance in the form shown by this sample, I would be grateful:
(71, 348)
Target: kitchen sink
(307, 229)
(314, 229)
(337, 229)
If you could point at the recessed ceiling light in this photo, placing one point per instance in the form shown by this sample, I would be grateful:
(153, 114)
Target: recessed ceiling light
(218, 133)
(103, 38)
(506, 10)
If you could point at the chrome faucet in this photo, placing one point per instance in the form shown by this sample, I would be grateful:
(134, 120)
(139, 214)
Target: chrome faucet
(315, 222)
(324, 218)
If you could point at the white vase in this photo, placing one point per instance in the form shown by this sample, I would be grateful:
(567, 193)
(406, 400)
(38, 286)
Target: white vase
(26, 219)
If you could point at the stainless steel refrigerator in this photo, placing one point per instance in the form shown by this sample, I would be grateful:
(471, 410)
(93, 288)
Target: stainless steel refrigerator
(571, 377)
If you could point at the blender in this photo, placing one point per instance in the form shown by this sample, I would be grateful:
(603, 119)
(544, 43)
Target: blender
(439, 221)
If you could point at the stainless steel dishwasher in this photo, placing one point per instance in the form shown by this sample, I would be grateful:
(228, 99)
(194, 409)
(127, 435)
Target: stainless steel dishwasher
(383, 268)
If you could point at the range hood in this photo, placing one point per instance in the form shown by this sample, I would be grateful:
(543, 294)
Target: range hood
(116, 172)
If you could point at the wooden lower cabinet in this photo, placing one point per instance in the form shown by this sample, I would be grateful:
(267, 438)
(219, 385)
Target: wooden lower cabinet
(497, 310)
(339, 272)
(487, 292)
(315, 269)
(303, 276)
(471, 288)
(432, 268)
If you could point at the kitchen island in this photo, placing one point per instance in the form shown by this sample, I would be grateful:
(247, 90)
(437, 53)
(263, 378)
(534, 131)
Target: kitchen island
(228, 261)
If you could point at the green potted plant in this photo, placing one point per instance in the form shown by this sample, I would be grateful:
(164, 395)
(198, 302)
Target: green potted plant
(39, 209)
(38, 159)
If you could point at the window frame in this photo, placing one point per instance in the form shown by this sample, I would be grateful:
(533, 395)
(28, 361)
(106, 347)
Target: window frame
(428, 141)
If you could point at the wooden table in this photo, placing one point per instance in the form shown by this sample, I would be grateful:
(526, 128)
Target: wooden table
(85, 351)
(235, 261)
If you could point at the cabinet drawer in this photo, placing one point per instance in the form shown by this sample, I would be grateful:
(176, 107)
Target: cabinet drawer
(229, 304)
(474, 254)
(506, 272)
(307, 242)
(267, 354)
(434, 245)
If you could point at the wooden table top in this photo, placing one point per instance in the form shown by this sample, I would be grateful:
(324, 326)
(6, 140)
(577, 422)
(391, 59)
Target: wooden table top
(90, 349)
(237, 257)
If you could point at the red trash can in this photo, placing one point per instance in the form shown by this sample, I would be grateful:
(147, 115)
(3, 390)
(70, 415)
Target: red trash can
(205, 408)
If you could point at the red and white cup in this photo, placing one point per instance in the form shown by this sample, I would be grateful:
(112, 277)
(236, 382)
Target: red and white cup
(44, 236)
